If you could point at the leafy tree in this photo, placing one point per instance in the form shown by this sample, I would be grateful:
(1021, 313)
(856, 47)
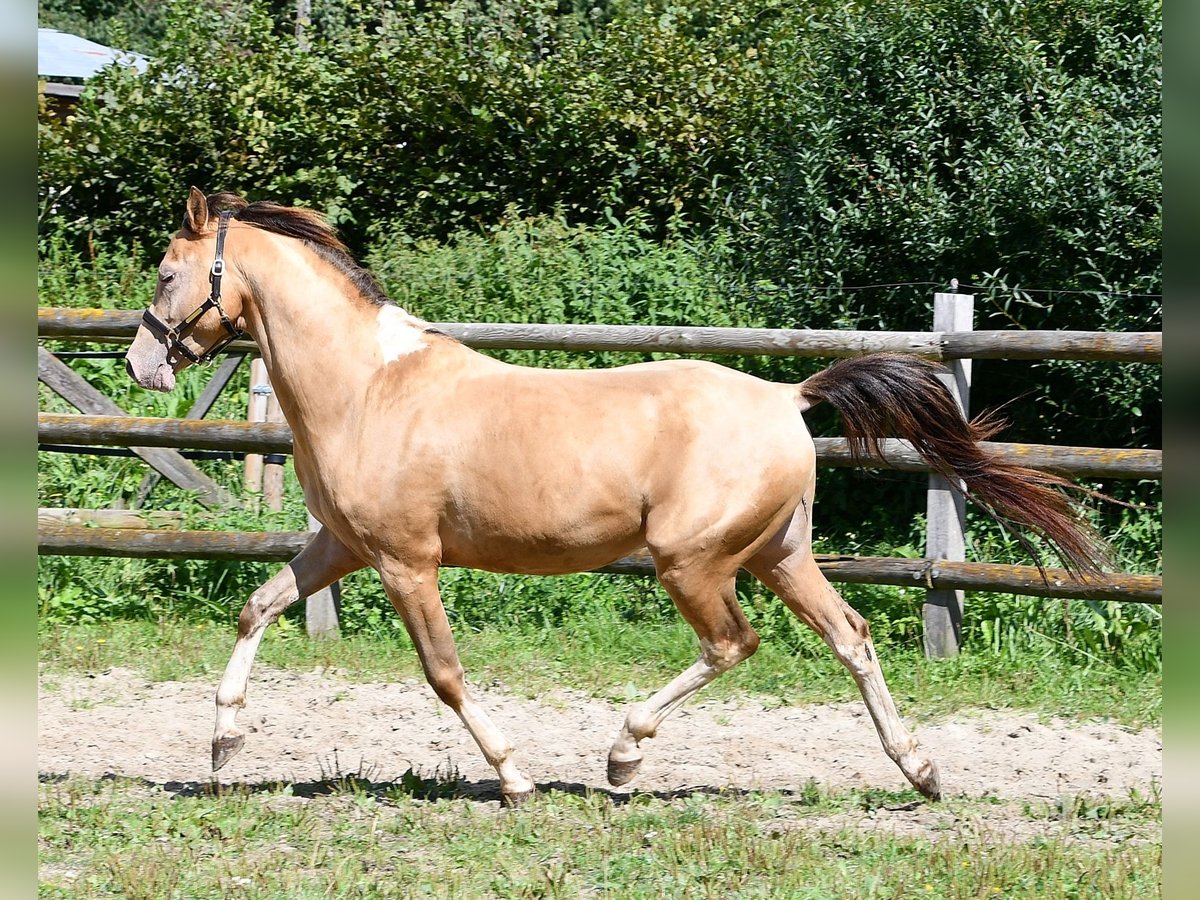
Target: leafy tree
(1013, 146)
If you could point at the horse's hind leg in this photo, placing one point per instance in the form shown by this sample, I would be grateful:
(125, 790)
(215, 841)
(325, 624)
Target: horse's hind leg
(706, 598)
(802, 586)
(414, 594)
(318, 565)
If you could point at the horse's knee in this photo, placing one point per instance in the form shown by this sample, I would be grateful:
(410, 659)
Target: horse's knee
(448, 682)
(856, 621)
(253, 615)
(725, 654)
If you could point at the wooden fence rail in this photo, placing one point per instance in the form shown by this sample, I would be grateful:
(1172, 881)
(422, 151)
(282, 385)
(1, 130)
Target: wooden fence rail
(119, 326)
(281, 546)
(270, 437)
(952, 340)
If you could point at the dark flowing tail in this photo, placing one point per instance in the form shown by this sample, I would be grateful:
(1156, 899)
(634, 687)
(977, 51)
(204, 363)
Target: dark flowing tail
(893, 394)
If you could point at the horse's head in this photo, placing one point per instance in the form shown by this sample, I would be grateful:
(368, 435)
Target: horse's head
(197, 303)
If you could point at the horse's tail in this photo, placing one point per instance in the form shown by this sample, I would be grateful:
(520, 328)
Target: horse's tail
(889, 394)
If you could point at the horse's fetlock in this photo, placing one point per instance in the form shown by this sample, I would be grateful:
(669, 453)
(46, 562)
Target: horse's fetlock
(639, 724)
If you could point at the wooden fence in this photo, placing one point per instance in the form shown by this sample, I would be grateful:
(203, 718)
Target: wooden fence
(944, 573)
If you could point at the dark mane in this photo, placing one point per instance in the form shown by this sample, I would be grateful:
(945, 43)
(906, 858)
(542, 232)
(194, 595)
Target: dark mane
(305, 225)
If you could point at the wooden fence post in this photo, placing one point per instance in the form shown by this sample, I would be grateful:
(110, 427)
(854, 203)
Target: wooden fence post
(322, 608)
(256, 412)
(945, 508)
(273, 463)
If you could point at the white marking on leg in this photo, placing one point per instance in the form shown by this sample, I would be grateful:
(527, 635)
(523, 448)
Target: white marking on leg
(264, 606)
(897, 741)
(231, 692)
(399, 334)
(495, 748)
(643, 720)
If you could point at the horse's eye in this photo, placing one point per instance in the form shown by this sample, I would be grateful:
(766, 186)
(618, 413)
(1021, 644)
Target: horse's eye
(166, 277)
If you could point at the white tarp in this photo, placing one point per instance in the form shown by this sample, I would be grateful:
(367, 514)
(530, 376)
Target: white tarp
(62, 55)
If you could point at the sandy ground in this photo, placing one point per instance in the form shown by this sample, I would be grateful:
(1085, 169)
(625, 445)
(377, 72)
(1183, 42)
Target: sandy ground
(307, 727)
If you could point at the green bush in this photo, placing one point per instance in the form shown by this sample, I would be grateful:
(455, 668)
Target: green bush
(432, 118)
(1013, 146)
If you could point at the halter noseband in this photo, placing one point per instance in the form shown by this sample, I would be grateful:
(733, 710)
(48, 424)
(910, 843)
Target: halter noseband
(174, 336)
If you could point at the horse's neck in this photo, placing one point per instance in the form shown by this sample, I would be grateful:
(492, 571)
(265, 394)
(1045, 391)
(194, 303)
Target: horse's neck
(320, 347)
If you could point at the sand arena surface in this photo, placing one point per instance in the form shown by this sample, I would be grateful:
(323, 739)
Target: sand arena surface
(310, 726)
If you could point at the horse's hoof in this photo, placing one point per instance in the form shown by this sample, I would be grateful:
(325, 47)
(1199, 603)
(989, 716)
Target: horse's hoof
(226, 748)
(928, 781)
(513, 799)
(622, 771)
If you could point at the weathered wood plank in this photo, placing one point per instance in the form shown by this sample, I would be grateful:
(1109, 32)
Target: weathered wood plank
(683, 339)
(256, 411)
(204, 402)
(61, 379)
(282, 546)
(1132, 346)
(272, 479)
(119, 326)
(991, 577)
(244, 546)
(124, 431)
(106, 326)
(226, 434)
(1077, 462)
(110, 518)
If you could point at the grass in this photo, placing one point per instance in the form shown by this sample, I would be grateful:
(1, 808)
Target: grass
(618, 661)
(349, 838)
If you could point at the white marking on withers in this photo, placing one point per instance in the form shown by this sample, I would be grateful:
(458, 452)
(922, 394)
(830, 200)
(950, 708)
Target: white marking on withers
(399, 333)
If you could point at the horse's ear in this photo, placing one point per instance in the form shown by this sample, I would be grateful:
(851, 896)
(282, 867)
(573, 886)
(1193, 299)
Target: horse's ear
(195, 218)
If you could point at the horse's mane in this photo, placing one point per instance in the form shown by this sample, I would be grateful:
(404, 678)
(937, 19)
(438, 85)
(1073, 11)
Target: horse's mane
(305, 225)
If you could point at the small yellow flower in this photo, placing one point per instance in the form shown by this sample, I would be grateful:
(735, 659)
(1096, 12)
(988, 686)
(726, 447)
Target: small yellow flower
(79, 646)
(101, 641)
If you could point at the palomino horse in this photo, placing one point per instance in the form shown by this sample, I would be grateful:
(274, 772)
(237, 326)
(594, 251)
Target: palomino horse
(415, 452)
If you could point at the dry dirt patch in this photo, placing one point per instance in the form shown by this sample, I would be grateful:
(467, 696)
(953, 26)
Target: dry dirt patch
(312, 726)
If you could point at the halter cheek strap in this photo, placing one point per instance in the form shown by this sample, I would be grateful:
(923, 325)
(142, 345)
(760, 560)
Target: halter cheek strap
(174, 335)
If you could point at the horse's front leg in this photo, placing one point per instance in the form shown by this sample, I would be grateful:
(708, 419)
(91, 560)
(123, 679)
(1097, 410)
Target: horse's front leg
(413, 590)
(322, 562)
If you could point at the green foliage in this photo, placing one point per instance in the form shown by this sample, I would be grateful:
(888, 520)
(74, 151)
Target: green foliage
(123, 24)
(1013, 146)
(541, 269)
(432, 118)
(1008, 145)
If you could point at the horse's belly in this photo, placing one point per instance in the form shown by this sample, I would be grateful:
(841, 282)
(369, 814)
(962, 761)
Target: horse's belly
(540, 545)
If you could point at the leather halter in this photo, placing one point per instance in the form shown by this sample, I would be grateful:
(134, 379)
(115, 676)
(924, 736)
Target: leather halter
(174, 336)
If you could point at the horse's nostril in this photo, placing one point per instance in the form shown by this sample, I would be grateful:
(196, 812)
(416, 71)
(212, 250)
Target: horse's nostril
(129, 368)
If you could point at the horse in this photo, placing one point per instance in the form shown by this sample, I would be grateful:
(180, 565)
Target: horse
(416, 452)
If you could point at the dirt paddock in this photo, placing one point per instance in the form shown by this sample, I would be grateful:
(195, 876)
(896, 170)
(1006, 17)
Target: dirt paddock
(313, 726)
